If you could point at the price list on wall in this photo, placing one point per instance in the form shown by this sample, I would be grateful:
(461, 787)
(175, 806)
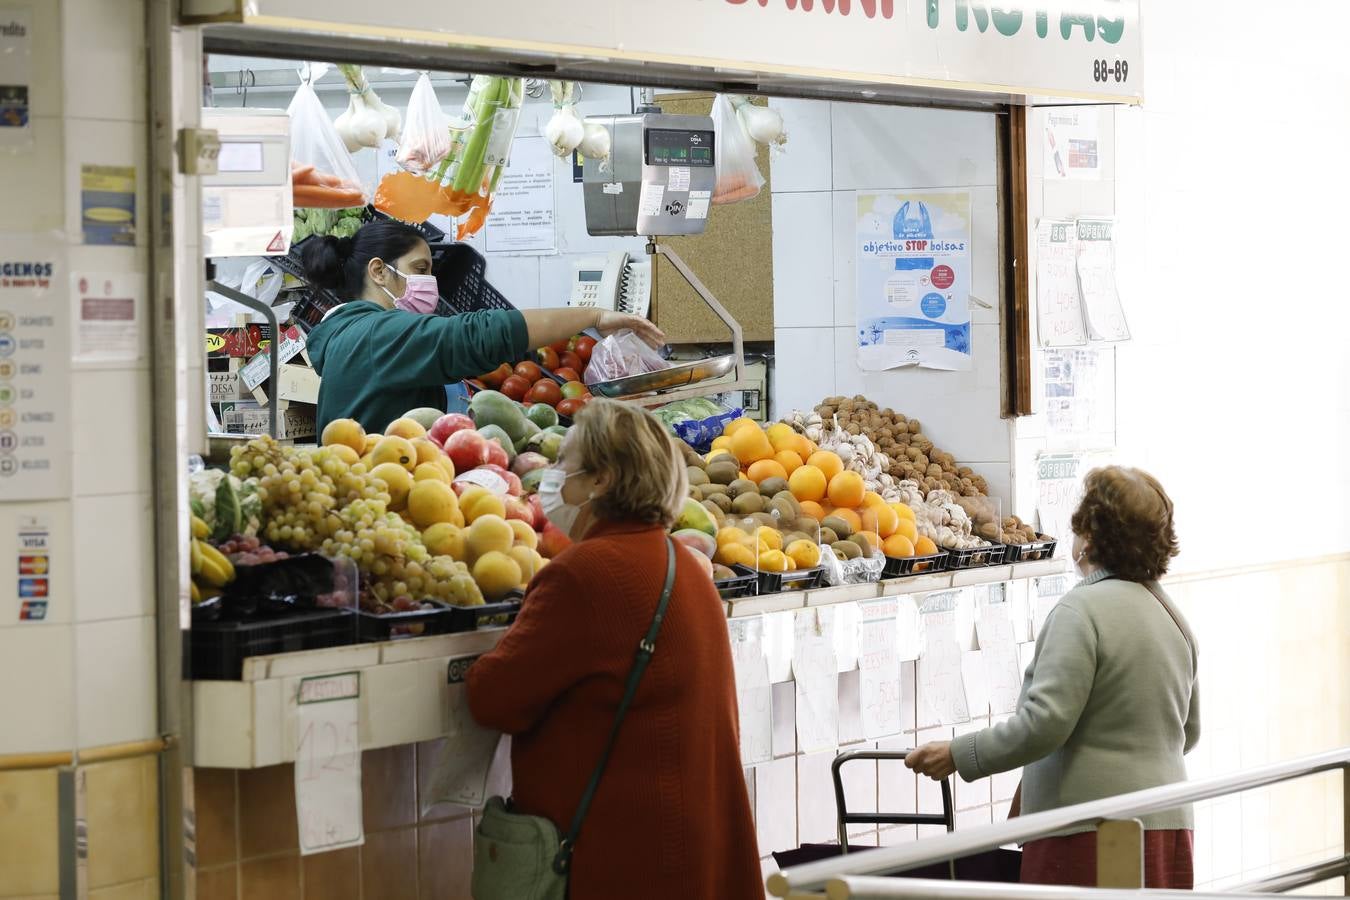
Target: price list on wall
(34, 371)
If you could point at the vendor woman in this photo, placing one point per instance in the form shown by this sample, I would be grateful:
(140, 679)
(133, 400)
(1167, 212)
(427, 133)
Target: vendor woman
(382, 353)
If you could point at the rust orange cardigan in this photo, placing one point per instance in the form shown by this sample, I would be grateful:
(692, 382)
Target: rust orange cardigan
(671, 818)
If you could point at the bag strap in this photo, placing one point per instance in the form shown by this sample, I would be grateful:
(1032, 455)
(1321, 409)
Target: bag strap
(1152, 588)
(562, 860)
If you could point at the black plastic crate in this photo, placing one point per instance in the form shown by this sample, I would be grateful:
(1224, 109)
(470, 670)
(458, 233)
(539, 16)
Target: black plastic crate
(976, 557)
(1041, 548)
(897, 567)
(778, 582)
(740, 585)
(217, 650)
(376, 627)
(487, 615)
(461, 275)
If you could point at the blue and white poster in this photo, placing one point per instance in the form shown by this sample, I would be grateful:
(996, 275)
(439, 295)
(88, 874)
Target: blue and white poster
(913, 280)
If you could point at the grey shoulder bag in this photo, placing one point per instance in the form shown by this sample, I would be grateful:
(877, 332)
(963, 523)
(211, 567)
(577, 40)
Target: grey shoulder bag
(521, 857)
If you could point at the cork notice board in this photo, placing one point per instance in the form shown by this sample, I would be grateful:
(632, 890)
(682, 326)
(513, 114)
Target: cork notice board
(733, 258)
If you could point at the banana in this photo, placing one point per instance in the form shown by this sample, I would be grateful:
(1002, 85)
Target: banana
(196, 592)
(211, 554)
(212, 574)
(200, 530)
(196, 546)
(210, 593)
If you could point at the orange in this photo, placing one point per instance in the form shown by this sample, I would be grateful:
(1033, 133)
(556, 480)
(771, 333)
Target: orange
(789, 460)
(807, 483)
(897, 546)
(805, 553)
(849, 516)
(872, 538)
(903, 510)
(731, 535)
(907, 528)
(750, 445)
(771, 537)
(764, 469)
(773, 561)
(872, 499)
(734, 553)
(924, 546)
(846, 489)
(721, 443)
(738, 424)
(881, 519)
(812, 508)
(781, 436)
(826, 461)
(804, 447)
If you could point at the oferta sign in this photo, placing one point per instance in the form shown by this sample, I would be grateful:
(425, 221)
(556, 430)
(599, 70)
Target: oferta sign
(1067, 48)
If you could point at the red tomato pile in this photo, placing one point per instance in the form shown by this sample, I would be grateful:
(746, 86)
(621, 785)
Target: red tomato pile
(528, 383)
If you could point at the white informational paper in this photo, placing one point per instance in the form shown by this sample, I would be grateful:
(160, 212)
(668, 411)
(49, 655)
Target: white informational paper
(649, 201)
(1097, 281)
(1045, 593)
(1025, 654)
(754, 695)
(1070, 379)
(941, 688)
(460, 772)
(1059, 311)
(522, 219)
(909, 628)
(816, 672)
(847, 619)
(1002, 670)
(779, 637)
(110, 311)
(328, 763)
(913, 279)
(972, 677)
(1059, 488)
(1073, 143)
(879, 668)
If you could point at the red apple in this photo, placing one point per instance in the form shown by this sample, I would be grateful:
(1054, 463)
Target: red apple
(545, 390)
(519, 508)
(512, 480)
(559, 346)
(447, 425)
(540, 520)
(467, 449)
(496, 455)
(569, 406)
(552, 541)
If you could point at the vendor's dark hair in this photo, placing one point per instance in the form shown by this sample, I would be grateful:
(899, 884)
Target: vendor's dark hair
(339, 264)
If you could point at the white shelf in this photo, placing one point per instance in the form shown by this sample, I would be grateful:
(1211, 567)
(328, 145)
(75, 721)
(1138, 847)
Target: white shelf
(405, 696)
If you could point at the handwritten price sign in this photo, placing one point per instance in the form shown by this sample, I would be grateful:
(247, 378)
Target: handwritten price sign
(754, 695)
(328, 763)
(1059, 314)
(879, 667)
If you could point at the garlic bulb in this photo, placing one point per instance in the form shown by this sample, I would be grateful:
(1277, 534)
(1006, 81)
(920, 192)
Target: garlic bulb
(762, 123)
(595, 143)
(368, 120)
(564, 130)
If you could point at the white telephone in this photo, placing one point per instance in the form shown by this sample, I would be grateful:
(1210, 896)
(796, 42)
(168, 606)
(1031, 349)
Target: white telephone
(618, 283)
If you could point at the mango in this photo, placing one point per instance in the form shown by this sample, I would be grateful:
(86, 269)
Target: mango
(694, 517)
(697, 541)
(495, 408)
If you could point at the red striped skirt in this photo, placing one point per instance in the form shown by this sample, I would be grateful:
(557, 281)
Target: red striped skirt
(1169, 861)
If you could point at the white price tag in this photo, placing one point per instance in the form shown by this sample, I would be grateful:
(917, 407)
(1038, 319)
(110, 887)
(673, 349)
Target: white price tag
(484, 479)
(649, 203)
(698, 204)
(328, 763)
(679, 179)
(754, 695)
(879, 667)
(462, 766)
(816, 672)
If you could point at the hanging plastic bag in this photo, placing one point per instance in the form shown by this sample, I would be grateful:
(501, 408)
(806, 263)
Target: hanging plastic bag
(737, 171)
(426, 134)
(764, 124)
(368, 120)
(620, 355)
(323, 175)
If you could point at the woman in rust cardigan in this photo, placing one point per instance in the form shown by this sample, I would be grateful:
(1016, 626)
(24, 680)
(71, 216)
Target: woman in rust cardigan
(671, 818)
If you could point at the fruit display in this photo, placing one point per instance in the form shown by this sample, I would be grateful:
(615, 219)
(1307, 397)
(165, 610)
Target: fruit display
(552, 378)
(225, 504)
(211, 570)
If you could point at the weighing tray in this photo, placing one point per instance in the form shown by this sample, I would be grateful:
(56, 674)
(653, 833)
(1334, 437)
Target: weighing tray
(666, 379)
(899, 567)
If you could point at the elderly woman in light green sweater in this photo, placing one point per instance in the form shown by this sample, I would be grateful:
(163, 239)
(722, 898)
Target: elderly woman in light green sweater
(1110, 702)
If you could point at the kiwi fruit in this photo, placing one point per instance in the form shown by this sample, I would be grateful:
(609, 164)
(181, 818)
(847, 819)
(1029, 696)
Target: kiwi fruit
(787, 496)
(719, 472)
(792, 536)
(722, 501)
(838, 526)
(716, 511)
(771, 487)
(696, 475)
(806, 525)
(827, 536)
(722, 573)
(764, 519)
(738, 486)
(747, 503)
(847, 549)
(865, 547)
(696, 491)
(786, 514)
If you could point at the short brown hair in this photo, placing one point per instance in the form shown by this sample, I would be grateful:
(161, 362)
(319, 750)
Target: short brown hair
(648, 481)
(1126, 519)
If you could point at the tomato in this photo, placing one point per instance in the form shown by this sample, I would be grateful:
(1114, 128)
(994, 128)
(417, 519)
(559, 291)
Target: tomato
(495, 378)
(515, 387)
(545, 390)
(558, 346)
(569, 407)
(574, 389)
(570, 360)
(548, 358)
(529, 371)
(582, 345)
(567, 374)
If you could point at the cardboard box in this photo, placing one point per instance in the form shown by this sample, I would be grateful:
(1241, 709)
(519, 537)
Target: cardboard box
(299, 384)
(296, 421)
(259, 368)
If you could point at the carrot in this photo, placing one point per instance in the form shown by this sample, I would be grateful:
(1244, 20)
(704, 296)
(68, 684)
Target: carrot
(302, 174)
(316, 197)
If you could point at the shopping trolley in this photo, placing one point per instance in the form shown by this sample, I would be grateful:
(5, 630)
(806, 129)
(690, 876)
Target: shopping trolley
(999, 865)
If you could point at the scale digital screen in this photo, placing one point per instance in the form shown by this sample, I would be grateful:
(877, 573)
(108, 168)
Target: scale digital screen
(590, 276)
(666, 147)
(240, 156)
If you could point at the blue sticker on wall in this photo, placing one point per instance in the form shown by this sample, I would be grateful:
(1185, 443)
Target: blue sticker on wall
(933, 305)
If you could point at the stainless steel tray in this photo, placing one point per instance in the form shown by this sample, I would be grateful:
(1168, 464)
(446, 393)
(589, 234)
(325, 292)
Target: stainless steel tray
(666, 379)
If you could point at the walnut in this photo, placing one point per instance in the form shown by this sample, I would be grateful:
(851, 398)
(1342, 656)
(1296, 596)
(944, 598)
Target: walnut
(852, 428)
(980, 484)
(965, 471)
(914, 426)
(934, 470)
(989, 531)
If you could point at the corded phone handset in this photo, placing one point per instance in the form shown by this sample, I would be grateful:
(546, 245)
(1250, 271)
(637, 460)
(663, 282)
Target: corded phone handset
(619, 283)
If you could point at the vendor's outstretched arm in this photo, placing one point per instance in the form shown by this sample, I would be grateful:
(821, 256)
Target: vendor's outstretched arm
(549, 325)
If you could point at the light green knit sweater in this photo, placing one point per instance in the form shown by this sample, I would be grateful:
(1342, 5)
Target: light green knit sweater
(1109, 704)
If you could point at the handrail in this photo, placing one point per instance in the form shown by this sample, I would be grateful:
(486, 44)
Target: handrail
(1294, 879)
(813, 876)
(864, 887)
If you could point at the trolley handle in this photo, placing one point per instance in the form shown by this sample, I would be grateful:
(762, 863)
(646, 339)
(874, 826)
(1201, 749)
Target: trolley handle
(847, 818)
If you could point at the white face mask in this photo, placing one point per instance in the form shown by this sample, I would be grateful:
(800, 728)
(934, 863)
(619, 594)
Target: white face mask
(562, 514)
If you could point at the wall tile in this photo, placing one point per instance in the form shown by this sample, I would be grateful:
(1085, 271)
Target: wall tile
(896, 835)
(784, 735)
(267, 818)
(122, 810)
(115, 578)
(803, 271)
(897, 787)
(805, 166)
(815, 799)
(875, 147)
(220, 883)
(107, 38)
(445, 859)
(115, 681)
(776, 805)
(389, 787)
(335, 875)
(387, 864)
(517, 277)
(216, 810)
(273, 878)
(34, 184)
(40, 718)
(804, 369)
(110, 402)
(860, 790)
(29, 836)
(144, 889)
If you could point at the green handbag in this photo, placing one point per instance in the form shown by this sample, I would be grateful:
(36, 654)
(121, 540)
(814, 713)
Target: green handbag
(521, 857)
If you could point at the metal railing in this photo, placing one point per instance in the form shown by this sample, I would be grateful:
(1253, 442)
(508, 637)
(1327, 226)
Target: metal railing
(855, 877)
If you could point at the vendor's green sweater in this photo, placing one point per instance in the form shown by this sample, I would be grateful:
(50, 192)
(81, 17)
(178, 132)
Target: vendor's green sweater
(1109, 705)
(378, 364)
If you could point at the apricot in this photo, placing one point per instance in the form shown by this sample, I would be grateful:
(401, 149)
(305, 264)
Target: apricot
(488, 534)
(445, 539)
(406, 428)
(394, 449)
(397, 480)
(344, 433)
(432, 501)
(496, 574)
